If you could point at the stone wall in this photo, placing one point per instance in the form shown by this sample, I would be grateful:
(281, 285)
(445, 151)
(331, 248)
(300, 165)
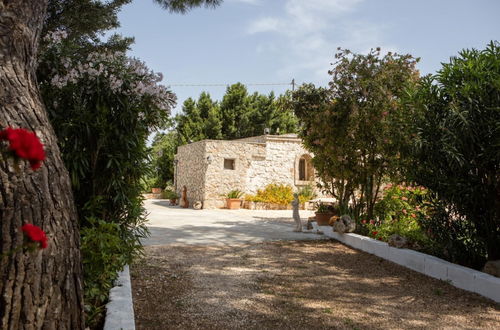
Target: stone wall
(258, 161)
(190, 170)
(279, 166)
(220, 181)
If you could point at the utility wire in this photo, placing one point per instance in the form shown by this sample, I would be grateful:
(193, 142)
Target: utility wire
(223, 85)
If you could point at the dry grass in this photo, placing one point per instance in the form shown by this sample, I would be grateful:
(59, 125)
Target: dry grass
(295, 285)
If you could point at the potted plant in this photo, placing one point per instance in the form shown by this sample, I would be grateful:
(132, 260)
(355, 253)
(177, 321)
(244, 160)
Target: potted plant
(233, 200)
(324, 212)
(156, 190)
(171, 195)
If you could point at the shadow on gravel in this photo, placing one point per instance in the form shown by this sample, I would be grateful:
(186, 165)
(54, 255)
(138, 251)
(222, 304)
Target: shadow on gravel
(295, 285)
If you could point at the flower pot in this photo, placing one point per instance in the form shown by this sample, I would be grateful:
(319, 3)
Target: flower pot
(156, 190)
(233, 203)
(323, 219)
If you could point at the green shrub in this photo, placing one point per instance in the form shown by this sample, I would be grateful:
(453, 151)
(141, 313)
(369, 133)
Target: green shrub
(454, 237)
(306, 193)
(456, 150)
(106, 248)
(169, 194)
(326, 208)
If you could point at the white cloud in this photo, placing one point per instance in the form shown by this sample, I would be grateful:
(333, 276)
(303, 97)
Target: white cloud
(264, 24)
(309, 31)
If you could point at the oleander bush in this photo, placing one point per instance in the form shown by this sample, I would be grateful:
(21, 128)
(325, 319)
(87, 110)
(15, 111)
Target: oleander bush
(456, 152)
(103, 106)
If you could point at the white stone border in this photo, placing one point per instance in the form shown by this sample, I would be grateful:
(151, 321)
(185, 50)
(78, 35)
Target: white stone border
(459, 276)
(120, 308)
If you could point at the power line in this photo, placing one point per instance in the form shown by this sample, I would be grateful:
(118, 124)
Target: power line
(224, 85)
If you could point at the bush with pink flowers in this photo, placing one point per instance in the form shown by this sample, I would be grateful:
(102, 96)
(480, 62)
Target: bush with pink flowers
(402, 211)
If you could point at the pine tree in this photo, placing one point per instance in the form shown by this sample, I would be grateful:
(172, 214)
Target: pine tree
(210, 114)
(233, 107)
(189, 123)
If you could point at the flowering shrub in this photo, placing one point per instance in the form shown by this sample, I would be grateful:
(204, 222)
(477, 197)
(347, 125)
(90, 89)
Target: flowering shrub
(278, 194)
(35, 234)
(103, 106)
(25, 145)
(401, 211)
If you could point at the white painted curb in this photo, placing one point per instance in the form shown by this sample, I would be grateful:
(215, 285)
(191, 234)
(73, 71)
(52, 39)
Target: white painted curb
(459, 276)
(120, 308)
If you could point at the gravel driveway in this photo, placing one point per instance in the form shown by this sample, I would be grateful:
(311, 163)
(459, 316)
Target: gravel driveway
(228, 281)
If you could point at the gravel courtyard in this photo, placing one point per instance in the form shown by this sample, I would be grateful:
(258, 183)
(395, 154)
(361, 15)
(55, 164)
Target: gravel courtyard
(307, 284)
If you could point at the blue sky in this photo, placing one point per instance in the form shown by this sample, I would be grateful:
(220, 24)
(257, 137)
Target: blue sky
(275, 41)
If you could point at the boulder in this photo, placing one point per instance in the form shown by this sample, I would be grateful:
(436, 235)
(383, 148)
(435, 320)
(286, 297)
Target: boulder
(339, 227)
(344, 224)
(398, 241)
(349, 223)
(492, 267)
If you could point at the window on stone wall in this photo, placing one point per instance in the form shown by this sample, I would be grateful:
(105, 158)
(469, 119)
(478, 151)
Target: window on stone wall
(302, 169)
(228, 164)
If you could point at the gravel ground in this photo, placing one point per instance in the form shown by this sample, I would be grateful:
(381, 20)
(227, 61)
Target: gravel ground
(295, 285)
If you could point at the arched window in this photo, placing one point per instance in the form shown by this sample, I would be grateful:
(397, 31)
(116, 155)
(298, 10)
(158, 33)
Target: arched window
(304, 170)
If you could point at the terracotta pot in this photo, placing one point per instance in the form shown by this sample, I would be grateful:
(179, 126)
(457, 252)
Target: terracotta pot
(323, 219)
(233, 203)
(156, 190)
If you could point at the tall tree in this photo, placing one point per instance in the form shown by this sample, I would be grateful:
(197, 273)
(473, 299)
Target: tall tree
(43, 290)
(210, 114)
(163, 150)
(233, 108)
(190, 123)
(356, 127)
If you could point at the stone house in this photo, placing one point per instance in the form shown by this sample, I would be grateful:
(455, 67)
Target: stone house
(211, 168)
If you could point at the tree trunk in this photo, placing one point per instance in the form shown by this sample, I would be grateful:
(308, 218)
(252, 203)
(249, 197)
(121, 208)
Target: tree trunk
(38, 290)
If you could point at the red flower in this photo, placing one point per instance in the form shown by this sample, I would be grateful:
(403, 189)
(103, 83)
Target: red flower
(374, 233)
(25, 145)
(35, 234)
(372, 222)
(364, 221)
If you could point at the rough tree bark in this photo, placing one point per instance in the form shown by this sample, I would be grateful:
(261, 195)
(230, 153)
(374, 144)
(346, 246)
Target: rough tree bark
(41, 290)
